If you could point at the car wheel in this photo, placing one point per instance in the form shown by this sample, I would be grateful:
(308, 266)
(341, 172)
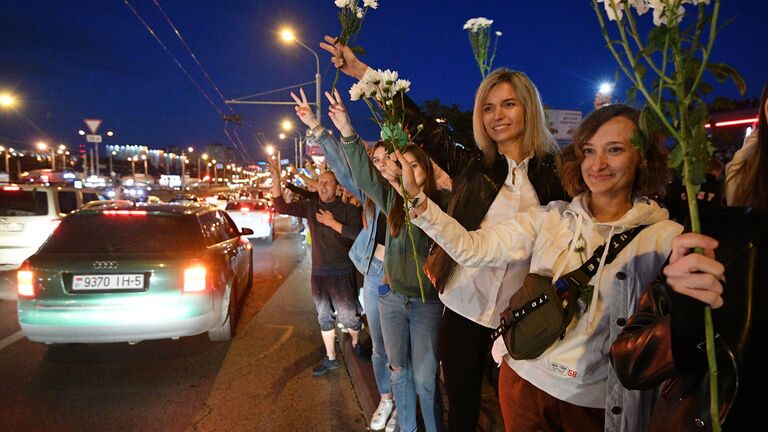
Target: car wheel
(227, 329)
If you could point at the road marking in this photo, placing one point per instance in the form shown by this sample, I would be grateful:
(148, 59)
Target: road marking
(11, 339)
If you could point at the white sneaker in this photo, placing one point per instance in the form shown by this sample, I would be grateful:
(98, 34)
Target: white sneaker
(382, 414)
(392, 423)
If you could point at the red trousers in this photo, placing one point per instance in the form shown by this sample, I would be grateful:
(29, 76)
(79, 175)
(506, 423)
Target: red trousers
(526, 408)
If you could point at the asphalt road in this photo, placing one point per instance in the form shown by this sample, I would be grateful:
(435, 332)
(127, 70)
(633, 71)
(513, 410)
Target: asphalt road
(259, 381)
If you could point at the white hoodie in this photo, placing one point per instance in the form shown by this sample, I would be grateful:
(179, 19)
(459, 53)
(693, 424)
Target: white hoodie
(575, 369)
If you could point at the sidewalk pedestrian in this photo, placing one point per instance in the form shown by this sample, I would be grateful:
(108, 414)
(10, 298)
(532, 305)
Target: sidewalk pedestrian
(333, 225)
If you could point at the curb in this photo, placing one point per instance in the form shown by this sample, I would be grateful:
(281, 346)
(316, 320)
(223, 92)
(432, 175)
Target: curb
(364, 383)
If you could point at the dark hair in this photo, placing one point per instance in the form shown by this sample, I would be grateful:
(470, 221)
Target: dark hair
(369, 206)
(396, 217)
(752, 187)
(651, 175)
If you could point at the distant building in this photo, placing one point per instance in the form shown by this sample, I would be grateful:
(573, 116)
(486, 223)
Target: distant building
(562, 124)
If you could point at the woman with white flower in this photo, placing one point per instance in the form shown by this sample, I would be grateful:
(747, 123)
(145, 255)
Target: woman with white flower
(511, 169)
(571, 386)
(410, 325)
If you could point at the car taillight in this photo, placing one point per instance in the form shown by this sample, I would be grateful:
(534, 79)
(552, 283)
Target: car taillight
(124, 212)
(11, 188)
(25, 285)
(194, 277)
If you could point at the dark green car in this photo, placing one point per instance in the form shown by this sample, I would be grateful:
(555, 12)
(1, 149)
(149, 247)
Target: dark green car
(130, 273)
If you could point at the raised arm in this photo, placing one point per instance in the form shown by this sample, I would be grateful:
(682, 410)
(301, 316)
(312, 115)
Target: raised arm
(450, 156)
(334, 155)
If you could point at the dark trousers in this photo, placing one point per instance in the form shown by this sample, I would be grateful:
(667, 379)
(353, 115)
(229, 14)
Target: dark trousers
(526, 408)
(464, 348)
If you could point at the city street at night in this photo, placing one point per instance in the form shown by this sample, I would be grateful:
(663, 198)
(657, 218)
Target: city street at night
(260, 381)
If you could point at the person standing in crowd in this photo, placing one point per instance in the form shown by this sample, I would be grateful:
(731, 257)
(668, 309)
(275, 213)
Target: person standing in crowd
(333, 225)
(367, 252)
(511, 169)
(410, 325)
(663, 342)
(571, 386)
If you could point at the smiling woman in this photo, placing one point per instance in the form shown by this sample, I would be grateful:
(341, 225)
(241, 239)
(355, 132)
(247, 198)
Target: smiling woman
(608, 176)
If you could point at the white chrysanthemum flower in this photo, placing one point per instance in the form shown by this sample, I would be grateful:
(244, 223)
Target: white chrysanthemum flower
(401, 85)
(371, 91)
(359, 14)
(372, 76)
(641, 6)
(341, 4)
(373, 4)
(388, 77)
(357, 91)
(476, 24)
(614, 10)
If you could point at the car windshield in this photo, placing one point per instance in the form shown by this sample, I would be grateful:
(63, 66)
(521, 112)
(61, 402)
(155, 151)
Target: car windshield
(250, 205)
(97, 233)
(23, 203)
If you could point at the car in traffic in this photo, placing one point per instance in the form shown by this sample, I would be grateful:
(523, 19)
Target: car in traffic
(184, 199)
(127, 273)
(30, 213)
(258, 215)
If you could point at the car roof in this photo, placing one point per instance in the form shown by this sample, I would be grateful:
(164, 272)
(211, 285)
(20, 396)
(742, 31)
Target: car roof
(159, 208)
(41, 187)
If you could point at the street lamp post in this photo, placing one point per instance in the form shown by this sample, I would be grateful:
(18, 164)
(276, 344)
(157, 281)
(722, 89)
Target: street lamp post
(133, 167)
(288, 36)
(215, 171)
(7, 157)
(111, 154)
(204, 156)
(146, 172)
(43, 146)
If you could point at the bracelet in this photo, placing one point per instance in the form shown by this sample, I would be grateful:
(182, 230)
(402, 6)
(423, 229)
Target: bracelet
(418, 200)
(316, 131)
(350, 139)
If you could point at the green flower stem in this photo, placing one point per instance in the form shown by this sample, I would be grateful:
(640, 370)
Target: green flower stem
(683, 134)
(413, 241)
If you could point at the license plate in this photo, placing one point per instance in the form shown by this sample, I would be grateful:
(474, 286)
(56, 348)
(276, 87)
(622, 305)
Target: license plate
(14, 227)
(107, 282)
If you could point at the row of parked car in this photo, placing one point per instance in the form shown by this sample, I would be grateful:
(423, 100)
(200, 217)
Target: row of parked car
(119, 271)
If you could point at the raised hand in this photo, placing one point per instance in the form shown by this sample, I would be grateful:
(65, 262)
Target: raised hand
(303, 111)
(397, 167)
(338, 114)
(344, 58)
(695, 275)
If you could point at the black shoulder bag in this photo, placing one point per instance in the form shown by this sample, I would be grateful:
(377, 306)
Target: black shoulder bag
(539, 312)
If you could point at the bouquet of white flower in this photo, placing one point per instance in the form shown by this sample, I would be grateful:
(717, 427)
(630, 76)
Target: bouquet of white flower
(351, 17)
(673, 60)
(479, 32)
(382, 91)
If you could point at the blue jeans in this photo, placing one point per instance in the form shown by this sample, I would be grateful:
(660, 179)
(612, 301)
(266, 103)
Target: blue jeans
(371, 300)
(410, 329)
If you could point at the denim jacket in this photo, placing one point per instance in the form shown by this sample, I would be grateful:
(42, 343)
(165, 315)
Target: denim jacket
(362, 249)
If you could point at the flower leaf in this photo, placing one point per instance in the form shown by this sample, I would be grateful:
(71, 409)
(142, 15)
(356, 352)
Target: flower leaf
(722, 72)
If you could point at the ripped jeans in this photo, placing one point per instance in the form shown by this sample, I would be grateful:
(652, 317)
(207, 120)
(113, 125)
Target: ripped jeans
(410, 329)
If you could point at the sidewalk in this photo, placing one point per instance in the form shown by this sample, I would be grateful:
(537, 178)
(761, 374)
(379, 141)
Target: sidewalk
(364, 383)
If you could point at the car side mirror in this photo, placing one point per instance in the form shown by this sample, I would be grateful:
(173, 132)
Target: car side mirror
(246, 231)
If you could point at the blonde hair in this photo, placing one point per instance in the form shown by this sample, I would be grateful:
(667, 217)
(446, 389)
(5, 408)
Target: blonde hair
(537, 138)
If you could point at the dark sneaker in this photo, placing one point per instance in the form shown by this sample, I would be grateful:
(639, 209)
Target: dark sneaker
(326, 366)
(361, 352)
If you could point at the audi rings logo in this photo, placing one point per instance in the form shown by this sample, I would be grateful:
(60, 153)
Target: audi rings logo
(105, 265)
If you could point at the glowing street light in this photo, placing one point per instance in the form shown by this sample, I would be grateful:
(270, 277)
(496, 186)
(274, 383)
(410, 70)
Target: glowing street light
(288, 36)
(43, 146)
(603, 95)
(7, 100)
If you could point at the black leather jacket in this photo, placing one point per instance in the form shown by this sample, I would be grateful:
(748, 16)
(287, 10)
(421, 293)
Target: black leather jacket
(663, 342)
(473, 182)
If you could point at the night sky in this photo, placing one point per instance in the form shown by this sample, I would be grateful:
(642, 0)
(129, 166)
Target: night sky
(71, 59)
